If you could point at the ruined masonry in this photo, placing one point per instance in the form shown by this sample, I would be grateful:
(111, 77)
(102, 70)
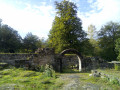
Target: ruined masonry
(45, 56)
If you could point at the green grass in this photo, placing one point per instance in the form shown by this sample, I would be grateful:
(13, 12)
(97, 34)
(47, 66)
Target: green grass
(70, 55)
(70, 71)
(103, 82)
(19, 79)
(112, 72)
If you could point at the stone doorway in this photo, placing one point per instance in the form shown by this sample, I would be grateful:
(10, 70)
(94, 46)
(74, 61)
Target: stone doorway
(67, 51)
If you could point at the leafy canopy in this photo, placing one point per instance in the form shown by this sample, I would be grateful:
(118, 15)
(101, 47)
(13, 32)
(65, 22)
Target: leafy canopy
(66, 31)
(107, 37)
(30, 42)
(10, 40)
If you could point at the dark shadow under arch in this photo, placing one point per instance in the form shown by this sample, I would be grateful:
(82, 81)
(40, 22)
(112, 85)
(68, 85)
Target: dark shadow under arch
(74, 51)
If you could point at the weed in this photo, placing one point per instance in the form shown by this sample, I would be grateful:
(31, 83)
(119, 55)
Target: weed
(49, 72)
(117, 66)
(114, 81)
(40, 68)
(28, 74)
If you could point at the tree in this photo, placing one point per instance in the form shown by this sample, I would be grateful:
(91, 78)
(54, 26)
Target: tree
(87, 48)
(66, 31)
(0, 22)
(117, 48)
(107, 36)
(92, 33)
(30, 42)
(42, 43)
(10, 40)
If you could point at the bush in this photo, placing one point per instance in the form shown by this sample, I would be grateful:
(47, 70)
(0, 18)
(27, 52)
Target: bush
(117, 66)
(49, 72)
(3, 65)
(1, 68)
(40, 68)
(114, 81)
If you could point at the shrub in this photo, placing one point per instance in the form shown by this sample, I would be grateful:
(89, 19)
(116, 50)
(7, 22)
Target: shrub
(117, 66)
(40, 68)
(28, 74)
(114, 81)
(49, 72)
(1, 67)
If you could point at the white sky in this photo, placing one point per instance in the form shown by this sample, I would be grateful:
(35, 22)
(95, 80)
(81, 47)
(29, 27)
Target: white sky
(37, 17)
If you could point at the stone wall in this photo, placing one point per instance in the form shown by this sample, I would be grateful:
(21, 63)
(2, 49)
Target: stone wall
(12, 58)
(47, 56)
(70, 61)
(88, 63)
(42, 57)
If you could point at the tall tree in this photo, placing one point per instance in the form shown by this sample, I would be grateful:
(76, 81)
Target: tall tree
(92, 33)
(10, 40)
(42, 43)
(117, 47)
(107, 36)
(66, 31)
(0, 22)
(30, 42)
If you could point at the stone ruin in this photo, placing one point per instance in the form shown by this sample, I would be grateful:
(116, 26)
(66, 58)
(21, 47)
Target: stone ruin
(45, 56)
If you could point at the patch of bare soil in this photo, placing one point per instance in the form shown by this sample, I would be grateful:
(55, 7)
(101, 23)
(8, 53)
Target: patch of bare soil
(73, 82)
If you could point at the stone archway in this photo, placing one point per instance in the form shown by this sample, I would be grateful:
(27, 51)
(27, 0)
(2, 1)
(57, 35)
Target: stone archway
(73, 51)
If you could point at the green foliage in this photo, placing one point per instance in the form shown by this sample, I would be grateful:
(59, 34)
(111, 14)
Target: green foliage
(28, 74)
(87, 48)
(117, 48)
(42, 43)
(114, 81)
(29, 43)
(20, 79)
(108, 35)
(40, 68)
(1, 67)
(10, 40)
(49, 72)
(67, 70)
(91, 31)
(117, 66)
(66, 31)
(94, 79)
(92, 34)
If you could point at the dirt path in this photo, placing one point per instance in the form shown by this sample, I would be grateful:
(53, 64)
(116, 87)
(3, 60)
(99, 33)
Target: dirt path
(74, 82)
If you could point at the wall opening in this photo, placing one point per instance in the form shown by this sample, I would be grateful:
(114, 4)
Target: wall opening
(70, 60)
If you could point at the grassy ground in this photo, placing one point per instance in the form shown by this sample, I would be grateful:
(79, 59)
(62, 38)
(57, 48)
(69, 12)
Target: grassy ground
(96, 83)
(20, 79)
(101, 83)
(110, 72)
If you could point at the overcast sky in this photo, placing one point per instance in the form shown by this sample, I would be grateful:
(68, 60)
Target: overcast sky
(36, 16)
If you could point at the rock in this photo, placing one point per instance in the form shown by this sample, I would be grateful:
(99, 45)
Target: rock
(90, 74)
(95, 73)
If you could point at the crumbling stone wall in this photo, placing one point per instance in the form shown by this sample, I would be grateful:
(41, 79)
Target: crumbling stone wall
(70, 61)
(47, 56)
(12, 58)
(44, 56)
(41, 57)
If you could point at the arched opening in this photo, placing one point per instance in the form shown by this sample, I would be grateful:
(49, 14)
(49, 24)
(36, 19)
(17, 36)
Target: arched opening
(73, 51)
